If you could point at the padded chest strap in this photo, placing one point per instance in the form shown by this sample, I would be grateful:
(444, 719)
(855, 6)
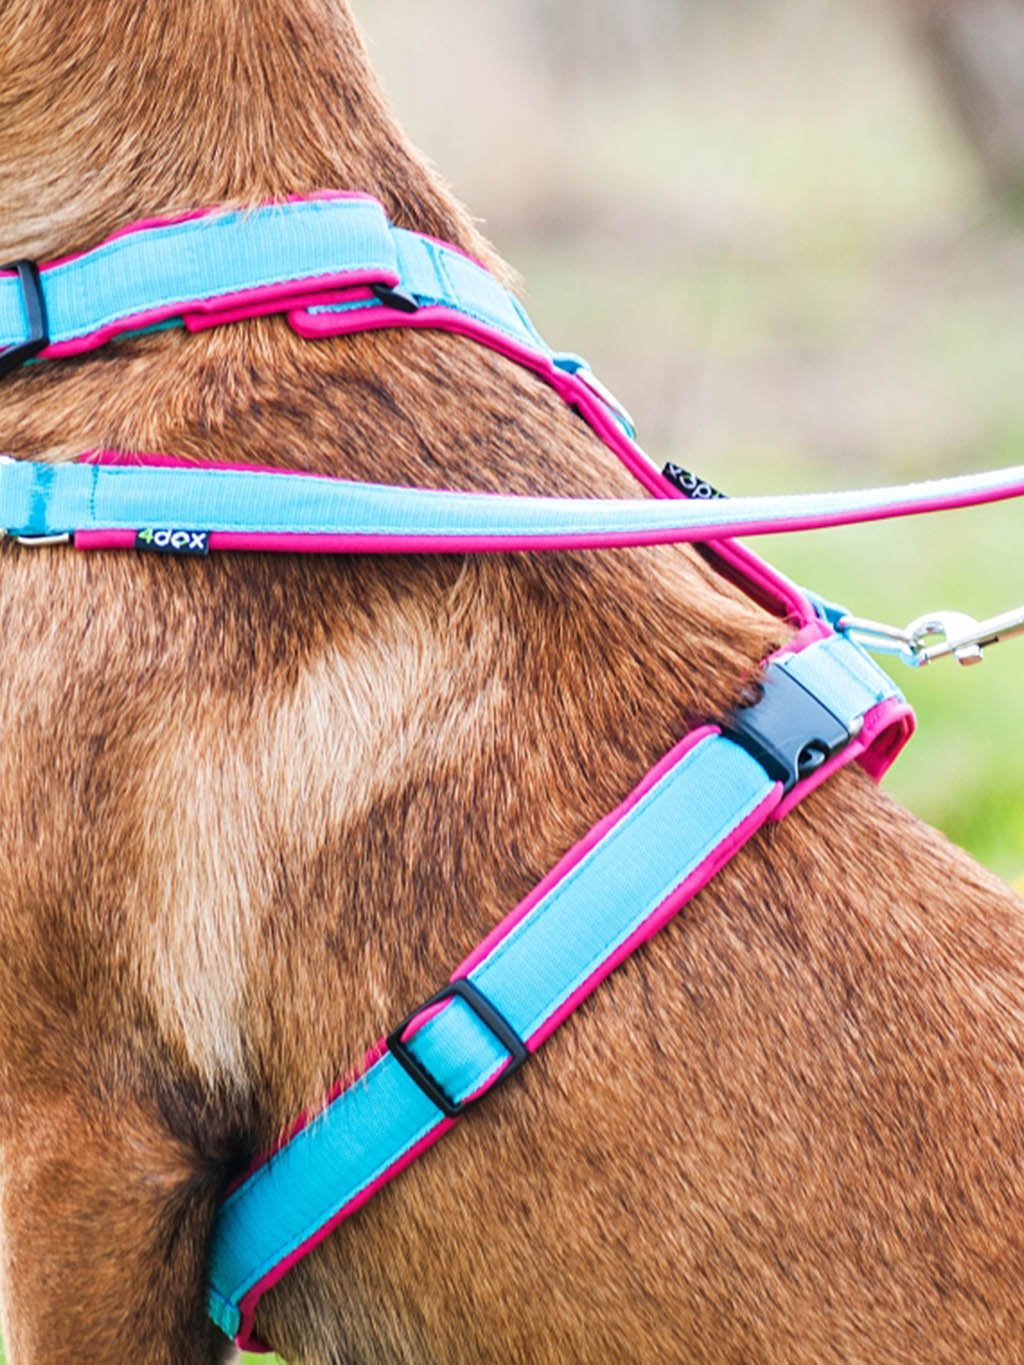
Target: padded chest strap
(824, 703)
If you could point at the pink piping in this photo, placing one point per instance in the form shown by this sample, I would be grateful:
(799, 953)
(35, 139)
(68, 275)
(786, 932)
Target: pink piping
(808, 635)
(247, 1305)
(886, 729)
(242, 304)
(771, 588)
(736, 558)
(580, 850)
(262, 302)
(669, 907)
(190, 215)
(656, 921)
(884, 715)
(564, 866)
(739, 565)
(358, 542)
(306, 1117)
(891, 716)
(202, 313)
(137, 460)
(682, 894)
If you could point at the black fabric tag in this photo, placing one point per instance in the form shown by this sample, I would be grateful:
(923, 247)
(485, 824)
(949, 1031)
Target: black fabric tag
(692, 485)
(172, 542)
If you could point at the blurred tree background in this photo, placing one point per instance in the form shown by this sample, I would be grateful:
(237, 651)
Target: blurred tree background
(977, 48)
(788, 234)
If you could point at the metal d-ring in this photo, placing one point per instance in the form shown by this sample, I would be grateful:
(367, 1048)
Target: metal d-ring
(34, 542)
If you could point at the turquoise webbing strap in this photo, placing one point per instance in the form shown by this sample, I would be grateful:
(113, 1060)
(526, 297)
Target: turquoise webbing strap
(45, 500)
(276, 257)
(435, 274)
(699, 811)
(167, 269)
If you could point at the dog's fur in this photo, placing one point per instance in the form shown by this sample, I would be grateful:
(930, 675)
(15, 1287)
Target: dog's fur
(252, 810)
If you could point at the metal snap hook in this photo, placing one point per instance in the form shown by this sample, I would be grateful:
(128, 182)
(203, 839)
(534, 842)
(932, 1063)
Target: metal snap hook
(962, 636)
(950, 633)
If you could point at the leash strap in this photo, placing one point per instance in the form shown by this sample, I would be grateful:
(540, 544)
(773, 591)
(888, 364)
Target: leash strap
(620, 884)
(189, 509)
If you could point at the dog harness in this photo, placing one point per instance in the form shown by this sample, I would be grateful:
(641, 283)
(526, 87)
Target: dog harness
(332, 264)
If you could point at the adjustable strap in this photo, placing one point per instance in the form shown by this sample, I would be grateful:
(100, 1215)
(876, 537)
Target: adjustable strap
(204, 264)
(433, 274)
(633, 871)
(242, 508)
(332, 264)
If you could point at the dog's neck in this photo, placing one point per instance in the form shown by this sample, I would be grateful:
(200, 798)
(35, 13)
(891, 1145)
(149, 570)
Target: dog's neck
(115, 111)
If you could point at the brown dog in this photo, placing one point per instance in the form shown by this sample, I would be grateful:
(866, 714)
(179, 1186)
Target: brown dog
(252, 810)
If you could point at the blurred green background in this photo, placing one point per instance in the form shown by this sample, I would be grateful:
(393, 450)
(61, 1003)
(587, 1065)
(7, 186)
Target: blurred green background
(787, 233)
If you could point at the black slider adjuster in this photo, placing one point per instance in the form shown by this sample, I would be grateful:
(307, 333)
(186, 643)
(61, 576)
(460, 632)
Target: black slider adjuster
(34, 305)
(788, 730)
(492, 1020)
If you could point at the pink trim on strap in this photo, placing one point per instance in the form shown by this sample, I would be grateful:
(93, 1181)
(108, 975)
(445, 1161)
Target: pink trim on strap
(670, 906)
(199, 314)
(580, 850)
(264, 542)
(245, 303)
(739, 565)
(190, 215)
(762, 582)
(561, 870)
(743, 568)
(144, 460)
(307, 1116)
(680, 895)
(270, 299)
(886, 728)
(885, 731)
(247, 1304)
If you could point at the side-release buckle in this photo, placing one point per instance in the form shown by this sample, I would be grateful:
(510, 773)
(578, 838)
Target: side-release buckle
(34, 305)
(788, 730)
(488, 1016)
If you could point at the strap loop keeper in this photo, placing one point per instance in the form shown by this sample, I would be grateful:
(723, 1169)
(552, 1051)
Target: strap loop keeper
(491, 1018)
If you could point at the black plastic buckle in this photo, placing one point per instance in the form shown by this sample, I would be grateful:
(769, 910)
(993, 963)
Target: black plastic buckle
(399, 299)
(789, 731)
(35, 311)
(488, 1015)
